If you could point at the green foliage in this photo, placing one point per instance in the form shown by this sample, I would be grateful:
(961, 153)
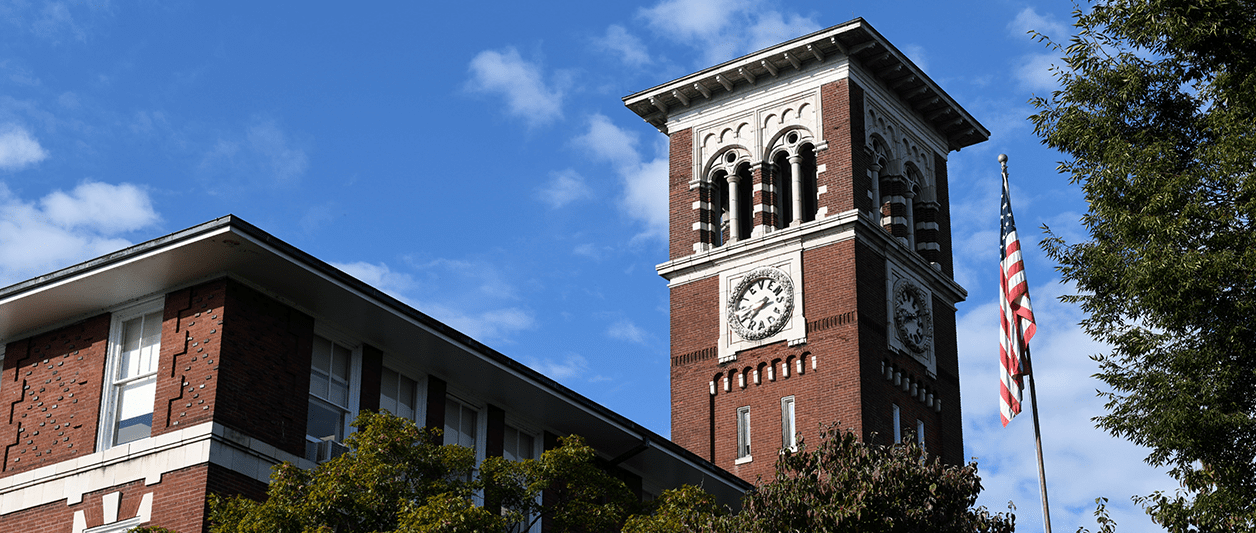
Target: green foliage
(395, 479)
(841, 486)
(687, 508)
(1106, 523)
(1155, 118)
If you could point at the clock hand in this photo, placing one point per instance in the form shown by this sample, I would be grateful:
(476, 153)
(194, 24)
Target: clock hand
(751, 313)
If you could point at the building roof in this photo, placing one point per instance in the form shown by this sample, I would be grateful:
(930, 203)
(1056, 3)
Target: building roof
(229, 246)
(855, 40)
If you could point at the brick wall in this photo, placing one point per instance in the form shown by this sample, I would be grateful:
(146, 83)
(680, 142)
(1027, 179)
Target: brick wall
(266, 348)
(51, 395)
(845, 161)
(179, 503)
(682, 215)
(695, 334)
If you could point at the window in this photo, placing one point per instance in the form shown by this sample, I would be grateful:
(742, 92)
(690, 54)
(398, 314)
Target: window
(743, 434)
(461, 421)
(131, 375)
(920, 433)
(789, 438)
(398, 394)
(328, 415)
(898, 426)
(519, 445)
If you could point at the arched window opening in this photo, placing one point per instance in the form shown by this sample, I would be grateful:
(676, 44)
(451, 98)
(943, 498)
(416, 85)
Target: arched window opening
(912, 195)
(808, 191)
(719, 204)
(784, 185)
(745, 202)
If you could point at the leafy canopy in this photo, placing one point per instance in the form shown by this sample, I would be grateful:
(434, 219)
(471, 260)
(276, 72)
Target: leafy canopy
(394, 479)
(842, 485)
(1155, 116)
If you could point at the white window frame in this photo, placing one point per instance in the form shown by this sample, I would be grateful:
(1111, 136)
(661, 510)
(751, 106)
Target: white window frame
(523, 427)
(920, 432)
(481, 423)
(420, 394)
(538, 447)
(744, 450)
(789, 424)
(898, 425)
(109, 402)
(355, 377)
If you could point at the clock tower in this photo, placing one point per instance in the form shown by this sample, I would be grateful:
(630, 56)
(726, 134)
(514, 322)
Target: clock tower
(810, 249)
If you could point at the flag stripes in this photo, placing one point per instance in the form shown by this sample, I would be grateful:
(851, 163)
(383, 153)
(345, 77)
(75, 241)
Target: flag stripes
(1017, 315)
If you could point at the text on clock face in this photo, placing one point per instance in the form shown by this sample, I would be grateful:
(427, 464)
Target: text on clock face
(761, 304)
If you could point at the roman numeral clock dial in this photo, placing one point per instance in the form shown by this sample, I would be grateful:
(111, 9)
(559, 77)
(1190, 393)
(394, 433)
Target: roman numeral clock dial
(761, 304)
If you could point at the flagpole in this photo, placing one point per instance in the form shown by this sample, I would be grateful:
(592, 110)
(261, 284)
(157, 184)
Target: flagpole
(1033, 394)
(1042, 472)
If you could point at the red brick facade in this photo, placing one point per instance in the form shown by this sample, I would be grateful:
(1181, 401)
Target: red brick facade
(219, 339)
(845, 301)
(51, 395)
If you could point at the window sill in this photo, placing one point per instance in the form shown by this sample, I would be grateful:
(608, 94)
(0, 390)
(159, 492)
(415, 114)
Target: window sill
(743, 460)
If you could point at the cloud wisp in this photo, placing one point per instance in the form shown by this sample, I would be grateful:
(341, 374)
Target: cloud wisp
(528, 96)
(644, 182)
(725, 29)
(262, 150)
(18, 149)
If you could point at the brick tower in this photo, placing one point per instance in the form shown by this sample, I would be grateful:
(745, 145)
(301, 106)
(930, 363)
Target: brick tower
(810, 251)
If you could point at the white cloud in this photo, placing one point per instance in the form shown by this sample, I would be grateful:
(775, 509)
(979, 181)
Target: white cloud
(627, 46)
(626, 330)
(64, 228)
(564, 187)
(379, 276)
(1034, 72)
(1029, 20)
(918, 55)
(719, 28)
(565, 368)
(773, 28)
(100, 207)
(1083, 462)
(521, 82)
(644, 182)
(18, 149)
(269, 142)
(494, 324)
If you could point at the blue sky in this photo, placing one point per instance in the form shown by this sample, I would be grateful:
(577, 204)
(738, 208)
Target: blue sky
(475, 160)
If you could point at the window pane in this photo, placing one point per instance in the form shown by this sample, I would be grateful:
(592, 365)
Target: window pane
(324, 421)
(460, 422)
(339, 394)
(743, 432)
(340, 357)
(318, 383)
(135, 411)
(518, 445)
(150, 342)
(322, 354)
(405, 397)
(388, 385)
(788, 439)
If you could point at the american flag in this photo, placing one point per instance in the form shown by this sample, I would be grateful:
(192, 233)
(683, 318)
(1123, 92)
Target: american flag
(1017, 320)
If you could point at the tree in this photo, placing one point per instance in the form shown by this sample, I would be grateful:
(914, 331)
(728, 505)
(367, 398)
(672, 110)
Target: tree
(842, 485)
(1155, 116)
(394, 479)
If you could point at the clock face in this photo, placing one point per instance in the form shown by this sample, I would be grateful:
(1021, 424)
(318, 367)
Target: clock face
(911, 316)
(761, 304)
